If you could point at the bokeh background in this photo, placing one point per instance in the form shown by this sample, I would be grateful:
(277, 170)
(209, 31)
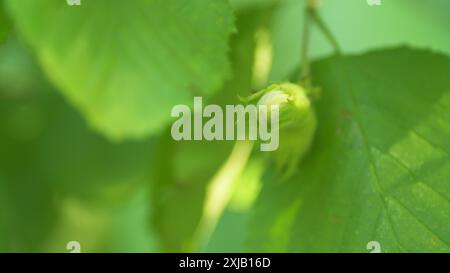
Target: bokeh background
(62, 180)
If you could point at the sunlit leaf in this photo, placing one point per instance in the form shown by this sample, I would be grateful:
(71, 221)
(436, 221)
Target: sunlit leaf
(379, 169)
(125, 65)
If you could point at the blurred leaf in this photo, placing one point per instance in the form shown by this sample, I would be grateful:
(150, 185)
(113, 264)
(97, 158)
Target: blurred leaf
(248, 186)
(413, 22)
(121, 227)
(4, 23)
(49, 155)
(242, 5)
(76, 160)
(379, 169)
(27, 208)
(233, 227)
(181, 173)
(230, 233)
(19, 75)
(84, 164)
(125, 64)
(128, 230)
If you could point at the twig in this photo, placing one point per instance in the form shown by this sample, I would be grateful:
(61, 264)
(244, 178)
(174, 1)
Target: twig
(326, 31)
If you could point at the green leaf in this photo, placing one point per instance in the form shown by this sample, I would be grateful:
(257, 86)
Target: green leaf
(124, 65)
(379, 169)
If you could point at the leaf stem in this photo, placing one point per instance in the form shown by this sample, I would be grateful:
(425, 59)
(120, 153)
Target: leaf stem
(305, 46)
(326, 31)
(311, 14)
(220, 190)
(311, 4)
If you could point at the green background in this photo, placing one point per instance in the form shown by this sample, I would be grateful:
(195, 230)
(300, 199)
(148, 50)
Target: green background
(86, 153)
